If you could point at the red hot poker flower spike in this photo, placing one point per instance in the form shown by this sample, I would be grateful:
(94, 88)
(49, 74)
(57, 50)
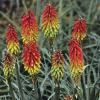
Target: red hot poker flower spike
(50, 22)
(76, 60)
(12, 40)
(9, 65)
(31, 58)
(57, 70)
(79, 29)
(29, 28)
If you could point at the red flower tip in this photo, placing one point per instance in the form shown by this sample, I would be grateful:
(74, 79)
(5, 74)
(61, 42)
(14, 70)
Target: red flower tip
(9, 65)
(79, 29)
(29, 27)
(31, 58)
(57, 70)
(12, 40)
(76, 59)
(50, 22)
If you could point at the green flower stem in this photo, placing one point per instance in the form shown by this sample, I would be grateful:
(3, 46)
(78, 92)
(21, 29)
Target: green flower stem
(38, 10)
(57, 91)
(18, 79)
(11, 89)
(94, 95)
(35, 82)
(39, 93)
(90, 10)
(60, 11)
(83, 87)
(24, 5)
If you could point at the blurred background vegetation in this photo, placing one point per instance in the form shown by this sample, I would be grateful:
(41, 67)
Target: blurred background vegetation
(68, 10)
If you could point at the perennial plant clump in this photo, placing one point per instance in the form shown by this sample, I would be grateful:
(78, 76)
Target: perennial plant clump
(46, 56)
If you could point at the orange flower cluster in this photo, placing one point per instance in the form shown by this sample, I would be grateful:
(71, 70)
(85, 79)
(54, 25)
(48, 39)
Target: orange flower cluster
(12, 50)
(9, 65)
(75, 51)
(31, 58)
(29, 27)
(50, 22)
(76, 60)
(57, 70)
(79, 29)
(12, 41)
